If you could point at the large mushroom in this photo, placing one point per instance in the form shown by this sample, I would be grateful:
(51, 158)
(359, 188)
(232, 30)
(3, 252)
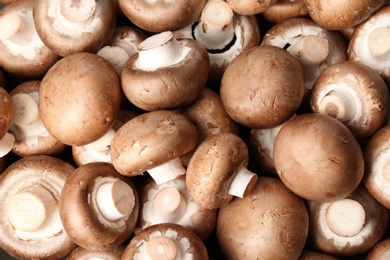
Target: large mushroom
(6, 113)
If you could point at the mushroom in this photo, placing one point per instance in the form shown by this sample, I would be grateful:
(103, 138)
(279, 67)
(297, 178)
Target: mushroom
(218, 171)
(98, 207)
(223, 33)
(170, 202)
(262, 87)
(161, 16)
(313, 255)
(318, 158)
(30, 226)
(166, 241)
(153, 142)
(80, 253)
(285, 9)
(79, 98)
(380, 251)
(270, 223)
(6, 112)
(336, 15)
(166, 73)
(348, 226)
(353, 93)
(22, 52)
(32, 137)
(250, 7)
(67, 27)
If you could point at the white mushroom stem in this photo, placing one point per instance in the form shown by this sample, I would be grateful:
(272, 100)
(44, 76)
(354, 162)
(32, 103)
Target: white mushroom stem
(379, 42)
(29, 209)
(170, 204)
(102, 144)
(345, 217)
(6, 144)
(386, 170)
(15, 28)
(162, 247)
(243, 182)
(167, 171)
(310, 50)
(25, 109)
(160, 50)
(77, 11)
(115, 200)
(116, 55)
(215, 29)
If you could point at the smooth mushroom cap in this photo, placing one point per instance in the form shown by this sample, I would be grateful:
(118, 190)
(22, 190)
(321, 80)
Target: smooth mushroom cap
(6, 111)
(380, 250)
(285, 9)
(79, 98)
(81, 253)
(318, 158)
(270, 223)
(250, 7)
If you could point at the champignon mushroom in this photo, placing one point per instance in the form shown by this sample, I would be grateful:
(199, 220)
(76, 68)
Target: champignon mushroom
(31, 227)
(80, 253)
(79, 98)
(161, 16)
(218, 171)
(250, 7)
(166, 241)
(223, 33)
(348, 226)
(153, 142)
(170, 202)
(270, 223)
(353, 93)
(22, 52)
(98, 206)
(380, 251)
(6, 112)
(262, 87)
(166, 73)
(336, 15)
(318, 158)
(67, 26)
(285, 9)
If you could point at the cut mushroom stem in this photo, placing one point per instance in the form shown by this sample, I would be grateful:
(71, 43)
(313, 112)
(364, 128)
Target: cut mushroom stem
(386, 169)
(13, 27)
(77, 11)
(115, 200)
(26, 110)
(103, 143)
(6, 144)
(243, 182)
(167, 171)
(215, 29)
(170, 204)
(378, 41)
(345, 217)
(162, 247)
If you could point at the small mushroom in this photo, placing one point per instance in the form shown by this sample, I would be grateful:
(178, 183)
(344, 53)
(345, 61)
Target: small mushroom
(98, 206)
(80, 253)
(250, 7)
(318, 158)
(380, 251)
(218, 171)
(30, 226)
(348, 226)
(166, 73)
(79, 98)
(270, 223)
(153, 142)
(166, 241)
(262, 87)
(285, 9)
(6, 112)
(67, 27)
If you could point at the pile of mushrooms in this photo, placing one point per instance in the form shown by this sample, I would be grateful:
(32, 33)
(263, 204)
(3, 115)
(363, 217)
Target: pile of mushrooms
(204, 129)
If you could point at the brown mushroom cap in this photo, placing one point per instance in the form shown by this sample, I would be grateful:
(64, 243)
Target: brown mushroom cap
(81, 253)
(80, 210)
(313, 255)
(262, 87)
(250, 7)
(79, 98)
(318, 158)
(380, 250)
(270, 223)
(47, 241)
(285, 9)
(6, 111)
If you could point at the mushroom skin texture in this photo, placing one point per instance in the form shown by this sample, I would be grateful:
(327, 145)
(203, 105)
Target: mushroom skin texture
(67, 27)
(161, 16)
(6, 113)
(166, 241)
(380, 251)
(83, 212)
(318, 158)
(285, 9)
(166, 73)
(250, 7)
(217, 171)
(336, 15)
(79, 98)
(29, 231)
(353, 93)
(348, 226)
(270, 223)
(80, 253)
(262, 87)
(22, 52)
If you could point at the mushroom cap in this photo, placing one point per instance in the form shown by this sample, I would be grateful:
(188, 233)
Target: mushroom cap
(151, 139)
(79, 98)
(46, 171)
(270, 223)
(80, 216)
(212, 168)
(380, 250)
(192, 246)
(250, 7)
(262, 87)
(6, 111)
(80, 253)
(285, 9)
(308, 254)
(318, 158)
(161, 16)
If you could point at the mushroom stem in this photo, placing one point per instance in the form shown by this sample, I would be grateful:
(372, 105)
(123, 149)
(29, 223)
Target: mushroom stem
(378, 42)
(345, 217)
(167, 171)
(386, 171)
(103, 143)
(30, 208)
(77, 11)
(243, 182)
(14, 27)
(115, 200)
(170, 204)
(310, 50)
(215, 29)
(116, 55)
(162, 247)
(26, 110)
(6, 144)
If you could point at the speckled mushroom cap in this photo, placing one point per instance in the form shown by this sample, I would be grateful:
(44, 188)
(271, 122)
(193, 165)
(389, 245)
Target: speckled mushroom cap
(81, 253)
(6, 111)
(380, 250)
